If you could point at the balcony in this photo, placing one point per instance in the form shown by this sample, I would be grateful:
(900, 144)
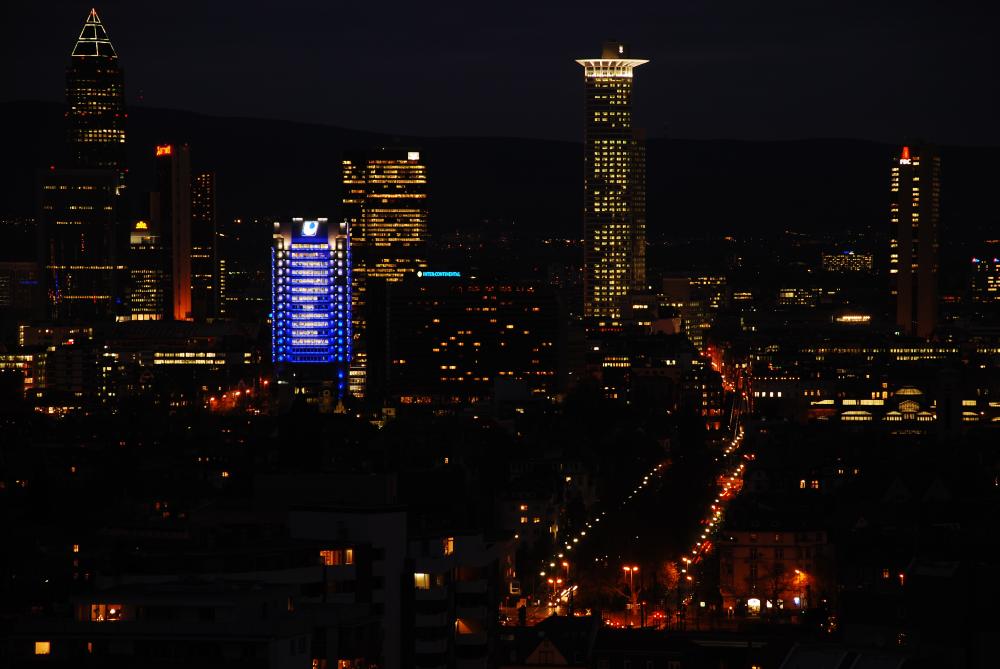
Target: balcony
(471, 663)
(430, 594)
(430, 620)
(471, 639)
(431, 646)
(471, 612)
(471, 587)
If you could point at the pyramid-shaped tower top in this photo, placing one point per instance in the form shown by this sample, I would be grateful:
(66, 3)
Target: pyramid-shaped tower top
(93, 40)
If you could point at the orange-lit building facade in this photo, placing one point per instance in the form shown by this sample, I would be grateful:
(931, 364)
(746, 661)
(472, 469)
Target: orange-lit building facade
(170, 218)
(614, 188)
(765, 571)
(913, 239)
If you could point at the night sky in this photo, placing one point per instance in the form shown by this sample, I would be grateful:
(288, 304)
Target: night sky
(883, 70)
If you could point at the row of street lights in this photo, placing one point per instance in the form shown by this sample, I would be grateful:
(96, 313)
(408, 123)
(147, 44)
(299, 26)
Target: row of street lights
(713, 520)
(570, 544)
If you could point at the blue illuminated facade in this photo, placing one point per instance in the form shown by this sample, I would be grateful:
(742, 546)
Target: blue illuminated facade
(311, 299)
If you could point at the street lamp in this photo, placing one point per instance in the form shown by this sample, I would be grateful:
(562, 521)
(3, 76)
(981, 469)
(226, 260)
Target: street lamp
(631, 570)
(566, 567)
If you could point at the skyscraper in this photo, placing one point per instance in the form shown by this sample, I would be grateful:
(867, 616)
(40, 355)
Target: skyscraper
(80, 245)
(244, 284)
(385, 204)
(148, 273)
(95, 99)
(82, 240)
(311, 300)
(614, 187)
(203, 252)
(170, 217)
(913, 239)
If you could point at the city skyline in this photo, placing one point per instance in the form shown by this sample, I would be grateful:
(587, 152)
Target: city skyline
(711, 63)
(271, 407)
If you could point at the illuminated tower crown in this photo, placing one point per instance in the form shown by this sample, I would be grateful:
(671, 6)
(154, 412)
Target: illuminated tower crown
(94, 40)
(95, 97)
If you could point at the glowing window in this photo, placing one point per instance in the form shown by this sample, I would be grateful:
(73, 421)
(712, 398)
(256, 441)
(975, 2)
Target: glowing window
(332, 558)
(105, 612)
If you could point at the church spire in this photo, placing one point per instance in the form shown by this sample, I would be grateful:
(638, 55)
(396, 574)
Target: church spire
(93, 40)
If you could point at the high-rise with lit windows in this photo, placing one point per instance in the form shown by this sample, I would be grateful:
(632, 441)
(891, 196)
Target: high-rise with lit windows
(148, 274)
(385, 205)
(82, 239)
(462, 341)
(913, 239)
(311, 300)
(203, 251)
(614, 187)
(242, 272)
(81, 254)
(848, 261)
(985, 284)
(95, 101)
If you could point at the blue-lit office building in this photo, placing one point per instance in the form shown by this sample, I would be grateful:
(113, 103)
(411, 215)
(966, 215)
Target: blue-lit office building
(311, 300)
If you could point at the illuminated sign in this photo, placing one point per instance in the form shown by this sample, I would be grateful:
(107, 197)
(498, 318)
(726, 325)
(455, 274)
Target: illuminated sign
(164, 150)
(853, 318)
(428, 275)
(904, 159)
(413, 155)
(310, 228)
